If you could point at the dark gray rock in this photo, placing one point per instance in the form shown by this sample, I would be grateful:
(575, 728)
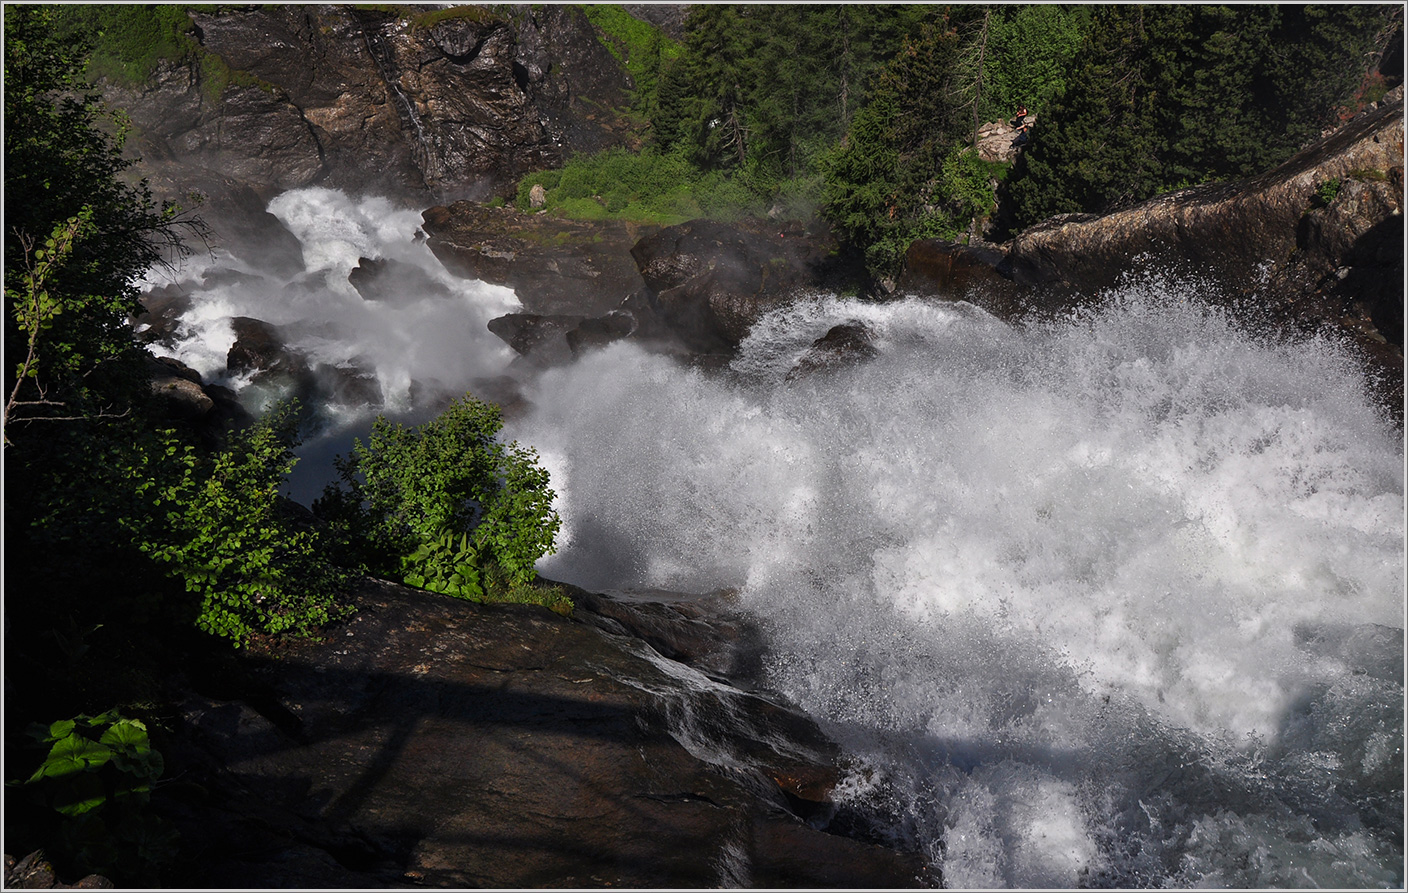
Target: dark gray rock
(438, 742)
(394, 281)
(554, 266)
(541, 339)
(711, 281)
(843, 345)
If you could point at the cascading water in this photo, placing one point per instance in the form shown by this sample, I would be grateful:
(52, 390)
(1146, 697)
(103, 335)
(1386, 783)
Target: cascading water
(1110, 600)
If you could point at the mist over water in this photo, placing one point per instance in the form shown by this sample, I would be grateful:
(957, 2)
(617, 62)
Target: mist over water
(1115, 599)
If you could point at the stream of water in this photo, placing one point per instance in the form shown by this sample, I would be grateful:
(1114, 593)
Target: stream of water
(1111, 600)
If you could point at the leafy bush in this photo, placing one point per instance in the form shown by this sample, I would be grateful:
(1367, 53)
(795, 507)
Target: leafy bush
(88, 799)
(445, 505)
(1328, 191)
(221, 531)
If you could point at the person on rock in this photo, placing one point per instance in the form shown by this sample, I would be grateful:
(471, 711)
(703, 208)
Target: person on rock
(1019, 118)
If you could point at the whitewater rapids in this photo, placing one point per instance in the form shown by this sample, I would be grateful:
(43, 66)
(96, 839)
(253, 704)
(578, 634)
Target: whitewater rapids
(1110, 600)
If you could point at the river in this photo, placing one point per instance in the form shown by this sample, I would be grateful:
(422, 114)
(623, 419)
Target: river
(1114, 599)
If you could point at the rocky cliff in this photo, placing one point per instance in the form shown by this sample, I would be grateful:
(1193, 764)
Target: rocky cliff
(432, 105)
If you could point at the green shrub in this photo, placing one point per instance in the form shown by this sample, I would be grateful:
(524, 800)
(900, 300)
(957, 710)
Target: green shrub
(1327, 192)
(87, 802)
(446, 506)
(221, 531)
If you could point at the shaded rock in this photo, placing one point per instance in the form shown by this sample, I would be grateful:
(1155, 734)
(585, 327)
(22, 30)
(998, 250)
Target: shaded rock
(579, 90)
(703, 631)
(349, 385)
(554, 266)
(543, 339)
(1230, 232)
(259, 347)
(392, 280)
(600, 331)
(1271, 242)
(711, 281)
(843, 345)
(947, 269)
(163, 308)
(179, 390)
(34, 872)
(439, 742)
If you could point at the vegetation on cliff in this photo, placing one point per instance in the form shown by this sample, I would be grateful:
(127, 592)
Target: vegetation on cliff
(868, 114)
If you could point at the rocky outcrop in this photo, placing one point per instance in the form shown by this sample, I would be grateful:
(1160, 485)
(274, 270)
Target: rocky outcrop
(709, 282)
(454, 103)
(181, 396)
(431, 741)
(842, 345)
(694, 288)
(554, 266)
(1315, 242)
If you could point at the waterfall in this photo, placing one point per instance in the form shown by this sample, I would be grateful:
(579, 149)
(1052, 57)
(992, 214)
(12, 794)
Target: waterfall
(1114, 599)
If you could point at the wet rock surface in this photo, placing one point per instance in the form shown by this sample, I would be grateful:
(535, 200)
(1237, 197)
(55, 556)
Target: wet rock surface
(438, 742)
(711, 281)
(693, 289)
(842, 345)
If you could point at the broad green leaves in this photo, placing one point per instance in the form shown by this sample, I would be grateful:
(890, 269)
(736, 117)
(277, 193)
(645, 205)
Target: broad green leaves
(445, 505)
(218, 528)
(98, 774)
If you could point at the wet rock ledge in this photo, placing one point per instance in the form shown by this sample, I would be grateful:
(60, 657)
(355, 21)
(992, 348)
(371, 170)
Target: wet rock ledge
(430, 741)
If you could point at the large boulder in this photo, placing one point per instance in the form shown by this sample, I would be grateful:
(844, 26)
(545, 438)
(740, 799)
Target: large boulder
(1316, 242)
(431, 741)
(710, 281)
(554, 266)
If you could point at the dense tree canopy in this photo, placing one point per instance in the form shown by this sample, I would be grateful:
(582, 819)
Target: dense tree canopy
(63, 163)
(1167, 96)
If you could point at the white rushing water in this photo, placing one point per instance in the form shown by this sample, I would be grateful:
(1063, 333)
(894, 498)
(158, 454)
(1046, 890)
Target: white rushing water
(1112, 600)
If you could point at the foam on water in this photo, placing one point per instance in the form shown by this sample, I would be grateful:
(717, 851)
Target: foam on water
(1115, 599)
(432, 332)
(1078, 593)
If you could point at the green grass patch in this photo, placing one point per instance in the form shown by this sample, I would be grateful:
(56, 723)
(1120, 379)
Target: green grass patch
(655, 188)
(643, 49)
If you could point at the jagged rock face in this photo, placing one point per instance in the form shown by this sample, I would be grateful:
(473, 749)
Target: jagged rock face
(432, 741)
(360, 99)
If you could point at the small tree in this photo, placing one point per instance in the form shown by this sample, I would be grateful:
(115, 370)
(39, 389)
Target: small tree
(445, 505)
